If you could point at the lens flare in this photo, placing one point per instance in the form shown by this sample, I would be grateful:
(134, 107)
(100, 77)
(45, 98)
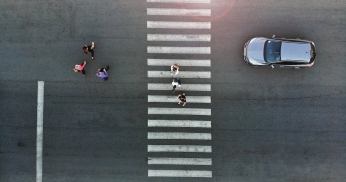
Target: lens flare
(215, 17)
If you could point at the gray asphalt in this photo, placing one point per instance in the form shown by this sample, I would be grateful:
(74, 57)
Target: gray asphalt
(267, 124)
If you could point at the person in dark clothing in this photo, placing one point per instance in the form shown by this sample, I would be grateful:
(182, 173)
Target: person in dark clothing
(182, 98)
(89, 48)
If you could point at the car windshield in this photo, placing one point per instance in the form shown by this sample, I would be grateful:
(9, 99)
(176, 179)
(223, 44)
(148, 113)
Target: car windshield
(272, 51)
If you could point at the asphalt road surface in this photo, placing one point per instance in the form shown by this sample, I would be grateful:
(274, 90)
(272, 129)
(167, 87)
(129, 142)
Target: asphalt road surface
(240, 123)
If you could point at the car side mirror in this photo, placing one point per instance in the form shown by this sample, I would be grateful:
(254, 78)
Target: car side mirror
(272, 66)
(273, 36)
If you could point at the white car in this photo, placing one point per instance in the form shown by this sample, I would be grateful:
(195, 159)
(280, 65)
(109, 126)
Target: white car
(280, 52)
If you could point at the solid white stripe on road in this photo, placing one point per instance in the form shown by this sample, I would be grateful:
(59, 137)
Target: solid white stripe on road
(178, 1)
(179, 37)
(179, 161)
(179, 123)
(184, 87)
(181, 62)
(182, 74)
(39, 136)
(180, 173)
(178, 25)
(178, 12)
(179, 111)
(169, 98)
(179, 148)
(178, 50)
(178, 136)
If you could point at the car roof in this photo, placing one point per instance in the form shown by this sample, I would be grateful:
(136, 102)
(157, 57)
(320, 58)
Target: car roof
(295, 51)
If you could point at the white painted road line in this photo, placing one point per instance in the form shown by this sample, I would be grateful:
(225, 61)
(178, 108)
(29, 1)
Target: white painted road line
(179, 173)
(179, 161)
(178, 50)
(179, 111)
(178, 136)
(182, 74)
(179, 148)
(39, 136)
(169, 98)
(178, 1)
(179, 37)
(179, 123)
(184, 87)
(181, 62)
(178, 12)
(178, 25)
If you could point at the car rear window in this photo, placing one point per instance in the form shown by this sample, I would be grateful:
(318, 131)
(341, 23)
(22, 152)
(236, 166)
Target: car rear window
(312, 53)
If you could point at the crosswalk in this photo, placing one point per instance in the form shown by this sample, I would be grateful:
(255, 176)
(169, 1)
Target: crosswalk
(182, 74)
(169, 98)
(186, 87)
(179, 111)
(178, 50)
(178, 12)
(179, 37)
(179, 161)
(179, 123)
(178, 25)
(181, 62)
(174, 131)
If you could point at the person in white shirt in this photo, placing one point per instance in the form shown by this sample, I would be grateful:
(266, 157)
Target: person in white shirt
(176, 84)
(174, 69)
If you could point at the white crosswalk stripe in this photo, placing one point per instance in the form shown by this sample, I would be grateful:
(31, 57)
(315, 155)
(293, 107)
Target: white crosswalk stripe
(179, 123)
(178, 50)
(178, 136)
(179, 148)
(181, 62)
(184, 87)
(179, 37)
(170, 98)
(178, 12)
(179, 173)
(178, 25)
(179, 111)
(179, 161)
(178, 1)
(182, 74)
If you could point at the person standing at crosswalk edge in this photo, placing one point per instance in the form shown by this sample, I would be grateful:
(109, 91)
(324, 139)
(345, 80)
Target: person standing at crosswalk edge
(176, 84)
(102, 73)
(182, 98)
(80, 68)
(174, 69)
(90, 49)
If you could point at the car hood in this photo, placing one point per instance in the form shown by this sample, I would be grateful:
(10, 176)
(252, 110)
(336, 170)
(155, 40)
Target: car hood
(296, 51)
(255, 51)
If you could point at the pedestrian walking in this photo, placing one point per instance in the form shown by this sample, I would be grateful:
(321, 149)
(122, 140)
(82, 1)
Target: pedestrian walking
(182, 98)
(174, 69)
(89, 48)
(176, 84)
(102, 73)
(80, 68)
